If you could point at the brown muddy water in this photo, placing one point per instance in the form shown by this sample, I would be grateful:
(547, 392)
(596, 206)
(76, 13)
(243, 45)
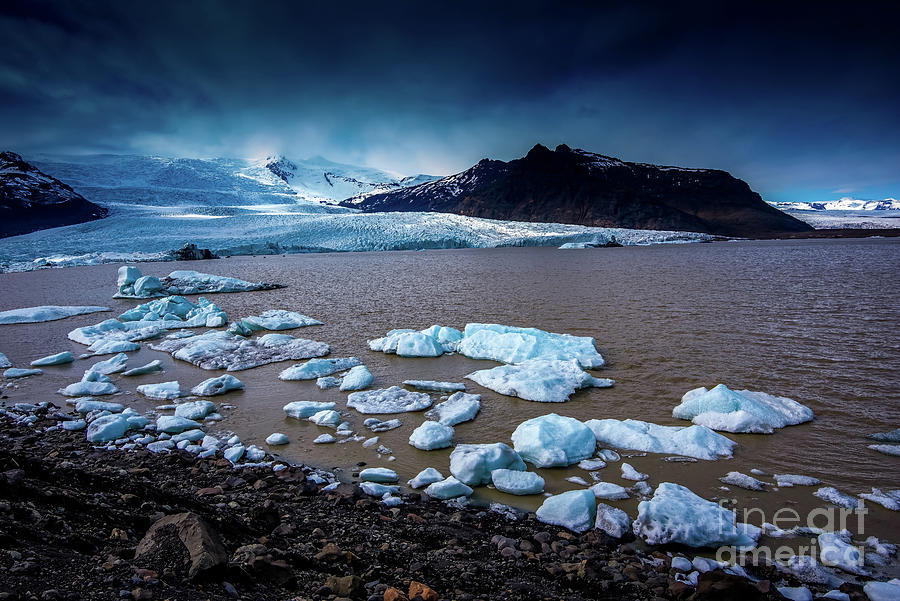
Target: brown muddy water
(813, 320)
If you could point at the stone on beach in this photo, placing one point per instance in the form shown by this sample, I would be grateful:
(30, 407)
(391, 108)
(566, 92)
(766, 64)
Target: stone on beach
(388, 400)
(215, 386)
(472, 464)
(517, 482)
(223, 350)
(575, 510)
(540, 380)
(45, 313)
(162, 391)
(57, 359)
(699, 442)
(460, 407)
(740, 410)
(553, 440)
(317, 368)
(431, 435)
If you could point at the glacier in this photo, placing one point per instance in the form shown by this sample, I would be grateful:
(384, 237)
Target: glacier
(740, 410)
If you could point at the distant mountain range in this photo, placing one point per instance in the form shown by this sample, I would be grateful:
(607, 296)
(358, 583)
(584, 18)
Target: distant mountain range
(32, 200)
(584, 188)
(844, 204)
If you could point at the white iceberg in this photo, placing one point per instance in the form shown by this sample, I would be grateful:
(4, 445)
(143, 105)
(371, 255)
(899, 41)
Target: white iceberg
(886, 449)
(324, 439)
(516, 482)
(276, 439)
(152, 367)
(171, 424)
(113, 329)
(112, 365)
(234, 453)
(508, 344)
(317, 368)
(195, 409)
(575, 510)
(162, 391)
(108, 428)
(836, 550)
(883, 591)
(743, 481)
(592, 464)
(629, 473)
(86, 405)
(740, 411)
(131, 284)
(427, 476)
(108, 347)
(376, 425)
(57, 359)
(215, 386)
(460, 407)
(92, 384)
(836, 497)
(889, 500)
(357, 378)
(677, 515)
(222, 350)
(15, 372)
(4, 361)
(612, 520)
(699, 442)
(328, 382)
(327, 417)
(430, 342)
(434, 386)
(789, 480)
(304, 409)
(541, 380)
(450, 488)
(45, 313)
(609, 491)
(553, 440)
(388, 400)
(376, 489)
(177, 312)
(378, 474)
(273, 319)
(431, 435)
(472, 464)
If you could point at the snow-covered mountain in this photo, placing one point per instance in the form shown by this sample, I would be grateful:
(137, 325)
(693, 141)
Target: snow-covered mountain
(844, 204)
(32, 200)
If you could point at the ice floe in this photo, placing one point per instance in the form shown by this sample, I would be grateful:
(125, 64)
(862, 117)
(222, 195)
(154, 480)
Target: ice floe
(378, 474)
(131, 284)
(886, 449)
(93, 383)
(609, 491)
(215, 386)
(883, 591)
(324, 439)
(449, 488)
(892, 436)
(789, 480)
(553, 440)
(430, 342)
(743, 481)
(223, 350)
(57, 359)
(517, 482)
(433, 386)
(177, 312)
(431, 435)
(173, 424)
(592, 464)
(740, 411)
(541, 380)
(4, 361)
(162, 391)
(87, 405)
(612, 520)
(376, 425)
(112, 365)
(327, 418)
(194, 409)
(629, 473)
(388, 400)
(836, 550)
(575, 510)
(273, 319)
(888, 500)
(509, 344)
(113, 329)
(276, 439)
(472, 464)
(836, 497)
(692, 441)
(677, 515)
(108, 347)
(358, 378)
(16, 372)
(460, 407)
(45, 313)
(318, 368)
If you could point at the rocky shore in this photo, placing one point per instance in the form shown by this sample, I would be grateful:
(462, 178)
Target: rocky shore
(78, 522)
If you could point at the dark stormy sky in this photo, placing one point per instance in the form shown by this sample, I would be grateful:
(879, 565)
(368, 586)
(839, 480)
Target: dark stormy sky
(800, 99)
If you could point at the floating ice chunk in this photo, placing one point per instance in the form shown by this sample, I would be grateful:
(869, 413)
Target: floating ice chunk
(113, 329)
(575, 510)
(612, 521)
(215, 386)
(45, 313)
(376, 489)
(448, 337)
(388, 400)
(417, 344)
(194, 435)
(740, 411)
(431, 342)
(376, 425)
(107, 428)
(222, 350)
(234, 454)
(15, 372)
(677, 515)
(110, 366)
(887, 449)
(57, 359)
(162, 391)
(743, 481)
(592, 464)
(328, 382)
(835, 497)
(629, 473)
(608, 455)
(450, 488)
(693, 441)
(327, 417)
(304, 409)
(90, 385)
(4, 361)
(837, 595)
(892, 436)
(317, 368)
(195, 409)
(431, 435)
(434, 386)
(427, 476)
(371, 442)
(460, 407)
(509, 344)
(553, 440)
(795, 593)
(541, 380)
(516, 482)
(609, 491)
(273, 319)
(108, 347)
(391, 501)
(882, 591)
(324, 439)
(173, 425)
(836, 550)
(472, 464)
(193, 282)
(254, 453)
(642, 489)
(88, 404)
(789, 480)
(887, 501)
(177, 311)
(358, 378)
(74, 425)
(378, 474)
(276, 439)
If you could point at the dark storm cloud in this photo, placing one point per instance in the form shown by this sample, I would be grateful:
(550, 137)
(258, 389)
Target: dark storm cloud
(799, 99)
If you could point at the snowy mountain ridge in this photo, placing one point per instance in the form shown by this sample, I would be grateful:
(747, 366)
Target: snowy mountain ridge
(843, 204)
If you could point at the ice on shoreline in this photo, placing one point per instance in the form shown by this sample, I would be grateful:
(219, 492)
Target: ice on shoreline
(45, 313)
(517, 482)
(575, 510)
(699, 442)
(740, 410)
(472, 464)
(540, 380)
(223, 350)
